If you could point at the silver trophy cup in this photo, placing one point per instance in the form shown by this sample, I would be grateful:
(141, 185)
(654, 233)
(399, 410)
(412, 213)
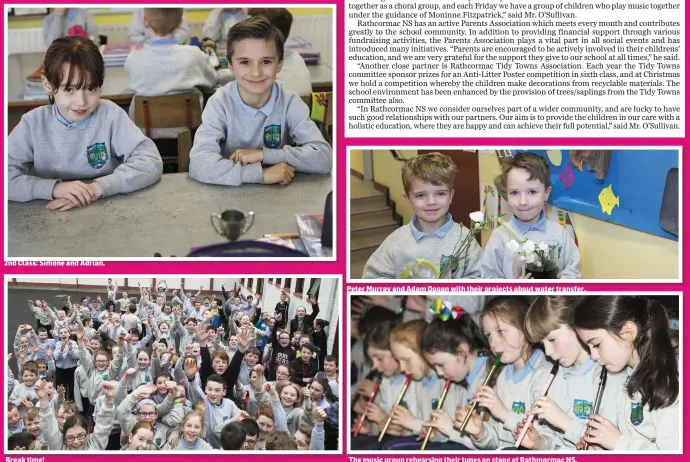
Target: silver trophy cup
(232, 224)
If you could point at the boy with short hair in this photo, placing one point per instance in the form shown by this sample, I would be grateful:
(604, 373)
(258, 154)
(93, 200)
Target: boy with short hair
(432, 234)
(165, 67)
(25, 390)
(141, 32)
(525, 184)
(294, 75)
(254, 116)
(305, 367)
(32, 422)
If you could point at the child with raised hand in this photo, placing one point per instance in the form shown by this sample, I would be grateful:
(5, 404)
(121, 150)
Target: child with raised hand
(571, 396)
(79, 148)
(630, 334)
(525, 184)
(216, 407)
(255, 116)
(75, 435)
(139, 407)
(66, 358)
(321, 394)
(44, 316)
(26, 389)
(457, 349)
(510, 392)
(99, 369)
(431, 234)
(291, 399)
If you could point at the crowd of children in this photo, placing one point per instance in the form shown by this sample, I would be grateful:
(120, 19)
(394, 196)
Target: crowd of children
(433, 236)
(80, 148)
(520, 339)
(179, 371)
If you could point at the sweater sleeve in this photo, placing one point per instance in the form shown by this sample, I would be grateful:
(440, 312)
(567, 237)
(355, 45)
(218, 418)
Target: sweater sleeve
(52, 28)
(491, 263)
(571, 258)
(90, 24)
(381, 264)
(214, 25)
(206, 164)
(24, 187)
(103, 425)
(472, 266)
(141, 162)
(312, 153)
(137, 32)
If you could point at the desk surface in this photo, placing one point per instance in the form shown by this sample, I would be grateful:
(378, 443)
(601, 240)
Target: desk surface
(116, 79)
(169, 217)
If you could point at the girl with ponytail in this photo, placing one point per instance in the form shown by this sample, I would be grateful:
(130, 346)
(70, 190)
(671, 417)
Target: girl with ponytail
(629, 333)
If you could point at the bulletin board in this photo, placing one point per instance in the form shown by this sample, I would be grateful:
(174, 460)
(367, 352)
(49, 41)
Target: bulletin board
(637, 180)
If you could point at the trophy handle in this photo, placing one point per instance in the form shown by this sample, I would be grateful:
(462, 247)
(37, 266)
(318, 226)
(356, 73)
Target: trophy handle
(249, 223)
(213, 223)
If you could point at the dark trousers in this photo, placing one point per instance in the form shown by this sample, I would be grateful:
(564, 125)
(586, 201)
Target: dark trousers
(66, 377)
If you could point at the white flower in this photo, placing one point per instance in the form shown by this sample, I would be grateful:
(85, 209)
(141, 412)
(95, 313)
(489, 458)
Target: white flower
(522, 257)
(543, 247)
(477, 217)
(538, 263)
(513, 246)
(529, 258)
(528, 246)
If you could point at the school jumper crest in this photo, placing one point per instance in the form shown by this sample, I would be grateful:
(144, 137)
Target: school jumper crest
(582, 408)
(636, 414)
(518, 407)
(272, 136)
(97, 155)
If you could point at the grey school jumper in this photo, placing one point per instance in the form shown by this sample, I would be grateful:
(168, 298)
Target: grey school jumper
(110, 150)
(228, 124)
(407, 243)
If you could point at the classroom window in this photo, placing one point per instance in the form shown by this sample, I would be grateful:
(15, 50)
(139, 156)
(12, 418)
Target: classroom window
(259, 286)
(299, 286)
(288, 283)
(250, 281)
(278, 281)
(242, 281)
(270, 280)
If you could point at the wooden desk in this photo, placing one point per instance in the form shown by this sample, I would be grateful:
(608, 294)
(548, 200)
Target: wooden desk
(169, 217)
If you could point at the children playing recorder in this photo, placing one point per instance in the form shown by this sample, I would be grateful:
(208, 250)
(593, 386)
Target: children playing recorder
(171, 371)
(544, 373)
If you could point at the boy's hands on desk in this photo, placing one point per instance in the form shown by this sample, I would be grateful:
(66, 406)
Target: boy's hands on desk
(280, 173)
(247, 156)
(70, 194)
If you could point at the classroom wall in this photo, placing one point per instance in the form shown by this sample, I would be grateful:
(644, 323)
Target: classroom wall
(607, 250)
(387, 171)
(357, 161)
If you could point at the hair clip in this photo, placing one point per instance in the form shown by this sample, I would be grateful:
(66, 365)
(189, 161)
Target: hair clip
(446, 311)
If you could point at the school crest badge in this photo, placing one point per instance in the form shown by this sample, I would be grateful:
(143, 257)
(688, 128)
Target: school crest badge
(518, 407)
(158, 442)
(434, 403)
(272, 136)
(582, 408)
(449, 263)
(636, 414)
(97, 155)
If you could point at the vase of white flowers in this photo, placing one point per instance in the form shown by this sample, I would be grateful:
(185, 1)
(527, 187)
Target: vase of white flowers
(540, 260)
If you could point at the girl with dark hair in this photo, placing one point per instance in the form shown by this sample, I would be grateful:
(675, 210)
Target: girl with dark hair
(457, 349)
(88, 143)
(513, 387)
(628, 333)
